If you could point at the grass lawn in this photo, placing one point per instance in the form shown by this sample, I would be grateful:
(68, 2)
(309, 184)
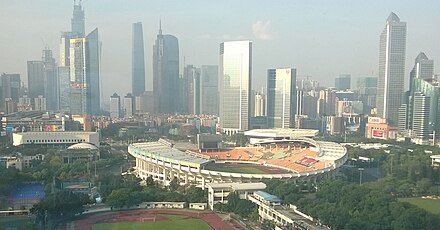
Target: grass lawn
(15, 222)
(234, 169)
(174, 222)
(430, 205)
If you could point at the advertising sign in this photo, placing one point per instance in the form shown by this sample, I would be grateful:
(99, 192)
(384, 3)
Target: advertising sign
(380, 134)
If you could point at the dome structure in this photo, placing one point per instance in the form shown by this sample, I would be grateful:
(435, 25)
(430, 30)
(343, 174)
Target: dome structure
(82, 145)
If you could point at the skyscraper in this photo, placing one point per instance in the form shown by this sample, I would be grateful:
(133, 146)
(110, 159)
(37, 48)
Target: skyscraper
(191, 90)
(209, 89)
(138, 62)
(343, 82)
(51, 81)
(259, 105)
(35, 78)
(78, 19)
(115, 106)
(391, 68)
(281, 97)
(79, 81)
(165, 73)
(423, 68)
(84, 75)
(93, 62)
(128, 105)
(235, 85)
(10, 92)
(418, 117)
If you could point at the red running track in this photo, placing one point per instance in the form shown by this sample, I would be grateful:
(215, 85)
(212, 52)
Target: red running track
(209, 217)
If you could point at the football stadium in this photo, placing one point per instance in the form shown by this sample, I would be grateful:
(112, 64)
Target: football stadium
(298, 159)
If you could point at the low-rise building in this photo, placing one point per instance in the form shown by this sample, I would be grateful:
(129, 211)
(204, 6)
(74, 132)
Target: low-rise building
(55, 139)
(270, 208)
(218, 192)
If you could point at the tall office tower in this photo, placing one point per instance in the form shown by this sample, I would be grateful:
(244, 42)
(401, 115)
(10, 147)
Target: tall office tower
(64, 90)
(367, 89)
(191, 90)
(40, 103)
(391, 68)
(209, 89)
(51, 81)
(235, 85)
(281, 97)
(78, 19)
(327, 102)
(10, 92)
(310, 106)
(165, 73)
(115, 106)
(259, 105)
(137, 60)
(128, 105)
(420, 119)
(423, 68)
(65, 48)
(343, 82)
(93, 62)
(424, 88)
(35, 78)
(79, 81)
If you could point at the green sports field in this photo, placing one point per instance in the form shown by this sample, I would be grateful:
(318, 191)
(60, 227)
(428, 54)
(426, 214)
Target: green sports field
(234, 169)
(430, 205)
(173, 222)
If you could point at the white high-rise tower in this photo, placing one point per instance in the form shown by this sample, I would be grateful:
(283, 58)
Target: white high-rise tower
(390, 85)
(235, 85)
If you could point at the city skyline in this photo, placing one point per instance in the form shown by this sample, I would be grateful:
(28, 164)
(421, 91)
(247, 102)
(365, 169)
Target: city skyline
(314, 39)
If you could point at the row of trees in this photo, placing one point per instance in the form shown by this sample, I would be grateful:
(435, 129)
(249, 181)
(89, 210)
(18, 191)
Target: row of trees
(120, 191)
(344, 205)
(241, 207)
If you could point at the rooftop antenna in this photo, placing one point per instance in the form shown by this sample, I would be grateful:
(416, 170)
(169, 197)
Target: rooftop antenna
(160, 25)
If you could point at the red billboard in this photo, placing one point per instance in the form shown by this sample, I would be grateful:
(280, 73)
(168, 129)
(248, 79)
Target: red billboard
(376, 133)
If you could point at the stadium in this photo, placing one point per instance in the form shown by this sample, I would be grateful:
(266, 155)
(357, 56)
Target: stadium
(298, 160)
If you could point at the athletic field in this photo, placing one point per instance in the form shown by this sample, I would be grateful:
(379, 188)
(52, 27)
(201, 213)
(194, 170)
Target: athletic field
(430, 205)
(243, 168)
(171, 222)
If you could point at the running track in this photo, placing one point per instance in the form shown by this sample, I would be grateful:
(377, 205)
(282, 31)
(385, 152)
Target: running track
(209, 217)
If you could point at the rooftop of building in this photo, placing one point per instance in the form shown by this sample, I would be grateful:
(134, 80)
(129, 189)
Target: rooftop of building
(238, 186)
(83, 145)
(268, 197)
(279, 132)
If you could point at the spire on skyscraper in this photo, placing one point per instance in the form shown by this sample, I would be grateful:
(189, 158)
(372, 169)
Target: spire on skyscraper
(160, 26)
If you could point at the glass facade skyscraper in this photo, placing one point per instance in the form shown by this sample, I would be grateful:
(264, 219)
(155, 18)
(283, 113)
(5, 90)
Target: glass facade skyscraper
(235, 85)
(138, 61)
(209, 89)
(391, 68)
(165, 73)
(281, 97)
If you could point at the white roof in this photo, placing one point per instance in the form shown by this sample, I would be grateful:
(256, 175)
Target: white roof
(238, 186)
(161, 151)
(82, 146)
(281, 133)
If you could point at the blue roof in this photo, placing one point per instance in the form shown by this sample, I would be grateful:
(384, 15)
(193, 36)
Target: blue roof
(269, 197)
(28, 191)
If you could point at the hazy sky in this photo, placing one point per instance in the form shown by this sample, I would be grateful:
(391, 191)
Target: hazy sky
(320, 38)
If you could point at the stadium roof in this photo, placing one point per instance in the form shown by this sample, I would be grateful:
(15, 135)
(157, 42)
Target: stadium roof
(280, 133)
(269, 197)
(160, 151)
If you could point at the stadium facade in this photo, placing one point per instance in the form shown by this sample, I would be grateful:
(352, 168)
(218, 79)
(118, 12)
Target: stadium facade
(298, 160)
